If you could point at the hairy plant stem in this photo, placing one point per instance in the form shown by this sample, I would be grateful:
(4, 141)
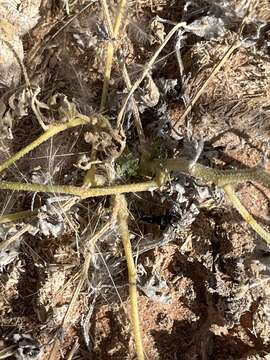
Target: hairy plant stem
(50, 132)
(110, 48)
(132, 274)
(218, 177)
(83, 193)
(82, 279)
(221, 178)
(245, 214)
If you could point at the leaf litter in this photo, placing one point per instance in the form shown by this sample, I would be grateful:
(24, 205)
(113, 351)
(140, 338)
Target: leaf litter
(198, 270)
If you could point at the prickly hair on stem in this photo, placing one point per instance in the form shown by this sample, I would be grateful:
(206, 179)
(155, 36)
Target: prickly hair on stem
(122, 218)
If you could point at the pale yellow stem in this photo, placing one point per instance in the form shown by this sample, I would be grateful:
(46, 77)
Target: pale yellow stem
(132, 274)
(245, 214)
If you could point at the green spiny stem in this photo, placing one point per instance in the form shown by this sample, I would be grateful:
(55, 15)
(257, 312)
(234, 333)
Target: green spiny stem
(53, 130)
(79, 191)
(245, 214)
(218, 177)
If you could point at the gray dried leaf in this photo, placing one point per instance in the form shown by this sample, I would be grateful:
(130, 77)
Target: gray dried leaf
(7, 257)
(19, 103)
(207, 27)
(158, 31)
(40, 177)
(138, 33)
(6, 122)
(28, 347)
(24, 15)
(51, 221)
(168, 87)
(149, 94)
(154, 289)
(11, 51)
(7, 230)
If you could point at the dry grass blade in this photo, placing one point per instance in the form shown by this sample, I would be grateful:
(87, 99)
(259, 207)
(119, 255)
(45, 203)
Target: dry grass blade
(132, 274)
(245, 214)
(5, 244)
(7, 352)
(135, 110)
(72, 352)
(50, 132)
(146, 70)
(110, 48)
(216, 69)
(17, 216)
(83, 277)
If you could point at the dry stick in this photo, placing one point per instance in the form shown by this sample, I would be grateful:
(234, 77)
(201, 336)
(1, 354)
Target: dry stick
(110, 51)
(132, 274)
(4, 244)
(147, 68)
(72, 352)
(245, 214)
(8, 351)
(191, 104)
(135, 110)
(52, 130)
(105, 8)
(82, 279)
(28, 84)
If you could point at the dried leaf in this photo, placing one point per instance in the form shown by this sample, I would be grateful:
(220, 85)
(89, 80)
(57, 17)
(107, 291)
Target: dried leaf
(158, 31)
(51, 221)
(149, 94)
(11, 48)
(154, 289)
(207, 27)
(27, 347)
(7, 257)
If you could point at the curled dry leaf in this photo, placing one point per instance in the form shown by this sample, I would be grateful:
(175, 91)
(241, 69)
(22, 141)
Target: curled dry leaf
(27, 347)
(7, 257)
(17, 18)
(23, 14)
(155, 288)
(207, 27)
(149, 94)
(11, 52)
(51, 221)
(158, 31)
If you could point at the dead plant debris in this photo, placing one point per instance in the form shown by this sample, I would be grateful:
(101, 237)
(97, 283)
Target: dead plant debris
(202, 273)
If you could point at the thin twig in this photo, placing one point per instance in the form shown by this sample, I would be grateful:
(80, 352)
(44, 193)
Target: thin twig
(6, 243)
(245, 214)
(146, 70)
(135, 110)
(110, 52)
(72, 352)
(51, 131)
(83, 277)
(132, 274)
(216, 69)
